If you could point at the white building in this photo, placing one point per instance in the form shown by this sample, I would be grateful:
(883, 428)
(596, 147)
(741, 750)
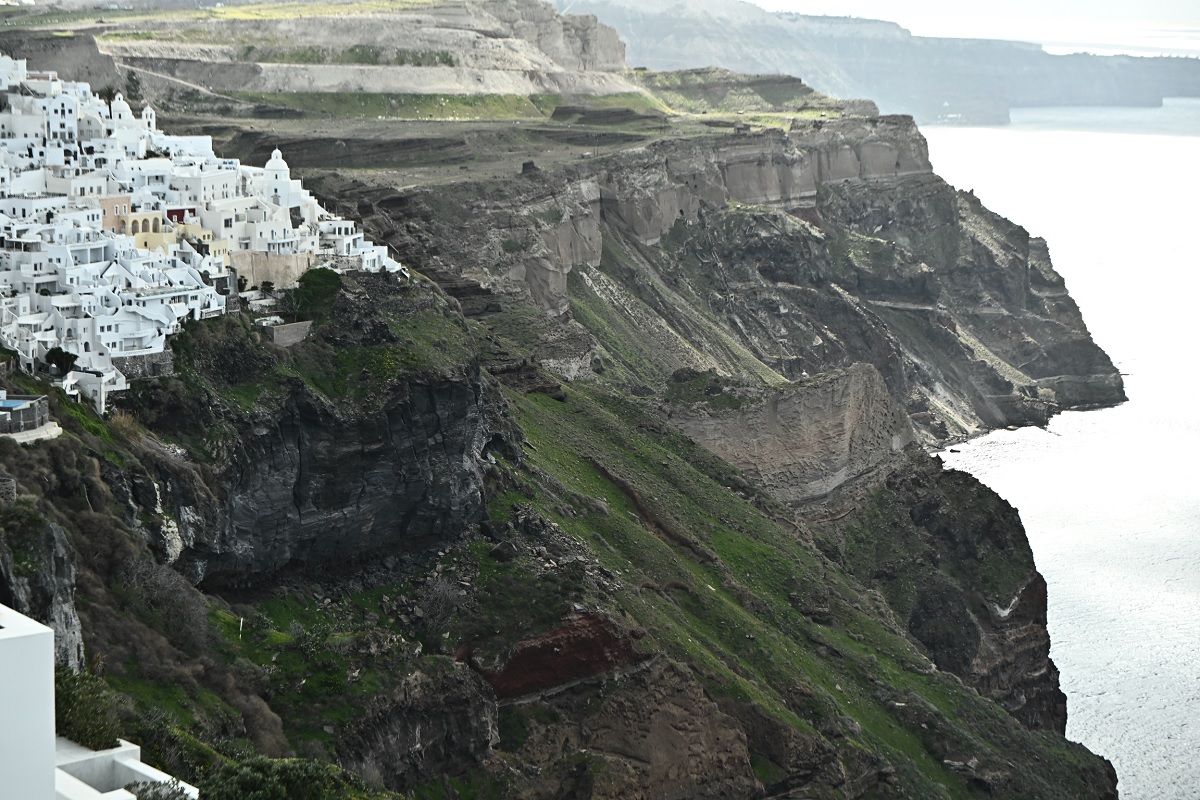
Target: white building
(27, 697)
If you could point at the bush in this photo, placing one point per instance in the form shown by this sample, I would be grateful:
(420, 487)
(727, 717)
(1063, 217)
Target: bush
(85, 709)
(313, 297)
(157, 592)
(153, 790)
(263, 778)
(60, 358)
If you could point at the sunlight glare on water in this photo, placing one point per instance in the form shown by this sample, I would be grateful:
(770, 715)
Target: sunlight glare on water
(1110, 497)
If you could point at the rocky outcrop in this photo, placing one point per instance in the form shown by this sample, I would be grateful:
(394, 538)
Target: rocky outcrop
(649, 192)
(723, 253)
(803, 441)
(508, 47)
(574, 41)
(957, 569)
(568, 227)
(582, 646)
(390, 458)
(37, 578)
(315, 484)
(655, 733)
(441, 720)
(315, 487)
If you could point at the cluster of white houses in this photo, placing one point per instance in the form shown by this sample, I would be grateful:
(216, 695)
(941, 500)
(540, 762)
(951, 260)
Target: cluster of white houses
(112, 233)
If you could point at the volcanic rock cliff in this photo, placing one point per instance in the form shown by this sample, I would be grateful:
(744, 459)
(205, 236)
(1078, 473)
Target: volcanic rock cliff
(769, 256)
(307, 476)
(621, 495)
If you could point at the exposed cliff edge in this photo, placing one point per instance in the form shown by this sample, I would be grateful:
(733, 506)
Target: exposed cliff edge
(37, 577)
(507, 47)
(841, 243)
(802, 442)
(357, 461)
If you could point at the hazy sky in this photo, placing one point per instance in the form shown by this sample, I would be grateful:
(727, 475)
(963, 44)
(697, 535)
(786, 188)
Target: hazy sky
(1062, 25)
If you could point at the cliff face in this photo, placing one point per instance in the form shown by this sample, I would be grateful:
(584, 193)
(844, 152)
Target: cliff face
(619, 500)
(959, 80)
(313, 487)
(438, 722)
(308, 478)
(574, 41)
(802, 442)
(841, 243)
(37, 578)
(503, 47)
(981, 614)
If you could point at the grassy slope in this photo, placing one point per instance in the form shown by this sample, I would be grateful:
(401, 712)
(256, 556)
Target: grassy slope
(728, 611)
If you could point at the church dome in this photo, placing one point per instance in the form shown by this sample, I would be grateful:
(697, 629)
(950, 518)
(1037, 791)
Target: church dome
(120, 108)
(277, 161)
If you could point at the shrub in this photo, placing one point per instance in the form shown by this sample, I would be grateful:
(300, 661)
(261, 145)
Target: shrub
(85, 709)
(263, 778)
(60, 358)
(153, 790)
(155, 591)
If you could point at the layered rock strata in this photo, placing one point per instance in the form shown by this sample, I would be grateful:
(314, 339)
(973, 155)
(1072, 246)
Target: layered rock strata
(775, 254)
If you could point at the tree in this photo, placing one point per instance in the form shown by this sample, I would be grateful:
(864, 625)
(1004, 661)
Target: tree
(133, 86)
(313, 297)
(154, 790)
(60, 358)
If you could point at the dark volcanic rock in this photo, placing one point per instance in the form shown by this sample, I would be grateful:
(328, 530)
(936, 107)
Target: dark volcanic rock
(37, 579)
(317, 487)
(796, 253)
(441, 720)
(952, 558)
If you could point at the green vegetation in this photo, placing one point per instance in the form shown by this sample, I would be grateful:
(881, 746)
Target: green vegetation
(709, 388)
(399, 106)
(85, 710)
(607, 509)
(718, 91)
(313, 297)
(27, 17)
(283, 779)
(731, 569)
(425, 58)
(22, 530)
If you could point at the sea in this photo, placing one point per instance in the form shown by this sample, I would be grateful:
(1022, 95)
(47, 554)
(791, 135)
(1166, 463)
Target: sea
(1110, 497)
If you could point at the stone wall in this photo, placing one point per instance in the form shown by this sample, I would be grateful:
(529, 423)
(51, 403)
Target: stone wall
(282, 270)
(289, 334)
(151, 365)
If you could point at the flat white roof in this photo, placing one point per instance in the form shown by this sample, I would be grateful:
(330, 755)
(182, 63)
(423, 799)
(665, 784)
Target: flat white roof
(14, 625)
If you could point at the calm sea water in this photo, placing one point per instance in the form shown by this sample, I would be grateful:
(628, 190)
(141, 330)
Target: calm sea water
(1111, 498)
